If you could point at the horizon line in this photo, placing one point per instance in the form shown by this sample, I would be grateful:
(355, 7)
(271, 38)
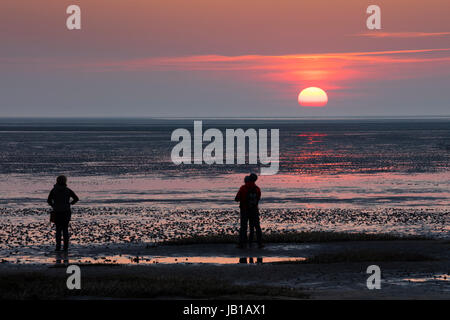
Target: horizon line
(223, 117)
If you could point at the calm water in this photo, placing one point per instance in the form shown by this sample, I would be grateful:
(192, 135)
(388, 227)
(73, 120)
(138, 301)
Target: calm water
(323, 164)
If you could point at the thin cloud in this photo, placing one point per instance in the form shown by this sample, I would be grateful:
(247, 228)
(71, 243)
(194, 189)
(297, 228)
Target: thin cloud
(330, 71)
(267, 62)
(376, 34)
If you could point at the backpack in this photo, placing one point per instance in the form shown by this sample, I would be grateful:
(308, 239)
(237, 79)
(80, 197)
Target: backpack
(252, 198)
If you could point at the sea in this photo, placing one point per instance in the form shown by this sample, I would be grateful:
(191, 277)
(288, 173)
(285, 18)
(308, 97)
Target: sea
(337, 163)
(387, 176)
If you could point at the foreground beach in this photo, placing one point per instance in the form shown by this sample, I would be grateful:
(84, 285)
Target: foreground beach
(411, 269)
(135, 252)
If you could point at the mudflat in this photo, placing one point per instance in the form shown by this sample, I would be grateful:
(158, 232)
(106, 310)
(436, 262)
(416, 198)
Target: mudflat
(410, 269)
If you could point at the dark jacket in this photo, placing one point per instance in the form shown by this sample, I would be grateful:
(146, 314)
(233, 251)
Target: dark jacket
(241, 196)
(59, 199)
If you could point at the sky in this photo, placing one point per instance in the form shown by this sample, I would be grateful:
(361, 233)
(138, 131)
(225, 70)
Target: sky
(223, 58)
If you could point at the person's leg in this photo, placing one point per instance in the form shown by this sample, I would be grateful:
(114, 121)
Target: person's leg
(252, 230)
(243, 229)
(58, 236)
(65, 230)
(257, 226)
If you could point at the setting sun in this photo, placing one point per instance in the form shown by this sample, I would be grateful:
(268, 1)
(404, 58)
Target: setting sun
(312, 97)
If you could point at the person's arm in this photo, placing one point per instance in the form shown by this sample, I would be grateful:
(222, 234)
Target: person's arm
(238, 195)
(74, 197)
(259, 193)
(50, 198)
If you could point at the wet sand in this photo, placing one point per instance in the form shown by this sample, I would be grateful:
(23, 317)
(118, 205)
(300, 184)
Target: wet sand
(29, 228)
(128, 242)
(427, 278)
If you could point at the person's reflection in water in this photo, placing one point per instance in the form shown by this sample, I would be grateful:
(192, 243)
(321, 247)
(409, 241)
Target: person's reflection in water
(62, 258)
(251, 260)
(243, 260)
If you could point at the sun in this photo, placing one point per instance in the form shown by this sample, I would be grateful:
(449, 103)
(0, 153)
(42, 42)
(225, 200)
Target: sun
(313, 97)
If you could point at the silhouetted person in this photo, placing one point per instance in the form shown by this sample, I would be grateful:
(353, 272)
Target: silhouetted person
(252, 228)
(60, 199)
(248, 197)
(244, 219)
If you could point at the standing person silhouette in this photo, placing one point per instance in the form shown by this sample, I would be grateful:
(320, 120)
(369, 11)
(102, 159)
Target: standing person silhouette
(248, 197)
(60, 200)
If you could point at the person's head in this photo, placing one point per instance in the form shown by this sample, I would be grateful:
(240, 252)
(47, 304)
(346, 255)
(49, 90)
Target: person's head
(253, 177)
(61, 180)
(247, 179)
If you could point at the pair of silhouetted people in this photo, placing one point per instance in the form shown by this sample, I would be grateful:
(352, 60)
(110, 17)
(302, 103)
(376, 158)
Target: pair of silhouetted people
(248, 197)
(60, 199)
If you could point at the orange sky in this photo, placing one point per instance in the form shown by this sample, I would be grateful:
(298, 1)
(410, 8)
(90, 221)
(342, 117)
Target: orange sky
(245, 55)
(231, 27)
